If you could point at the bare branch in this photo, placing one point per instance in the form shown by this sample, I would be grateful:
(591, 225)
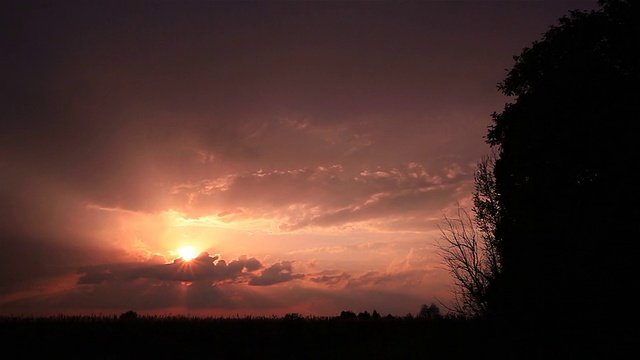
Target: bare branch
(468, 246)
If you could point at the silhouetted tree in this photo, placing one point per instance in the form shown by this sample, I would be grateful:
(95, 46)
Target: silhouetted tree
(470, 249)
(129, 315)
(375, 314)
(486, 209)
(293, 317)
(347, 315)
(429, 312)
(462, 251)
(364, 315)
(562, 180)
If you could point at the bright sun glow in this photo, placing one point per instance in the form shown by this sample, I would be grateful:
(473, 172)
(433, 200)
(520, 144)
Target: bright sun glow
(187, 253)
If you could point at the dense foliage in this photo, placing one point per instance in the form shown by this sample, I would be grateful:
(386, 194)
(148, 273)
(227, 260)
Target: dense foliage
(565, 177)
(550, 254)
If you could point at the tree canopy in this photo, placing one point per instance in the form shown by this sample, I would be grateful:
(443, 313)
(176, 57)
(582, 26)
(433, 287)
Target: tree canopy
(564, 176)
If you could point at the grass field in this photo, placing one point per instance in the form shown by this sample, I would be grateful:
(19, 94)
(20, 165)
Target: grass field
(290, 337)
(130, 336)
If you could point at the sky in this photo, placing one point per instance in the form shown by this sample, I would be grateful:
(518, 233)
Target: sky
(306, 152)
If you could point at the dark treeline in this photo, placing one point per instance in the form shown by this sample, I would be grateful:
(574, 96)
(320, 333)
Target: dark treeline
(292, 336)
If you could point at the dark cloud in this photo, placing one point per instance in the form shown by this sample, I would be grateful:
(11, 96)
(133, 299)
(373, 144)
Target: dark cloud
(202, 268)
(275, 274)
(329, 277)
(377, 279)
(28, 262)
(143, 295)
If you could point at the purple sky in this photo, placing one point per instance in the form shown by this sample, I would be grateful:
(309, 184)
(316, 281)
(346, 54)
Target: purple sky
(308, 149)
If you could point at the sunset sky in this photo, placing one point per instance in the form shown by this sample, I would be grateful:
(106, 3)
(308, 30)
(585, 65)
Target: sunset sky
(307, 151)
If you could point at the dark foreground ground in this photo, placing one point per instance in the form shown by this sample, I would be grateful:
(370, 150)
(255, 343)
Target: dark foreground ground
(284, 338)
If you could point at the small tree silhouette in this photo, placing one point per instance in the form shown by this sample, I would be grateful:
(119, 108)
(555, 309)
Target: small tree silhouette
(429, 312)
(129, 315)
(470, 249)
(293, 317)
(461, 249)
(364, 315)
(347, 315)
(375, 315)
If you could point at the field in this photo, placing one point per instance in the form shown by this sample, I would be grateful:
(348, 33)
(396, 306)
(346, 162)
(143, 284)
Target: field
(290, 337)
(130, 336)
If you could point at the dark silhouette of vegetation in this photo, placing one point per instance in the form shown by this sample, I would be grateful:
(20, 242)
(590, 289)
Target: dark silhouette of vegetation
(461, 251)
(550, 248)
(470, 250)
(292, 336)
(375, 315)
(364, 315)
(129, 315)
(348, 315)
(429, 312)
(561, 178)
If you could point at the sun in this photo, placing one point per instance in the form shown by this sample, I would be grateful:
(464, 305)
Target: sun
(187, 253)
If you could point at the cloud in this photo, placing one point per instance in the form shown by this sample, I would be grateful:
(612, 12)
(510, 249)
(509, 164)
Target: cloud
(325, 196)
(329, 277)
(275, 274)
(27, 261)
(209, 283)
(203, 268)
